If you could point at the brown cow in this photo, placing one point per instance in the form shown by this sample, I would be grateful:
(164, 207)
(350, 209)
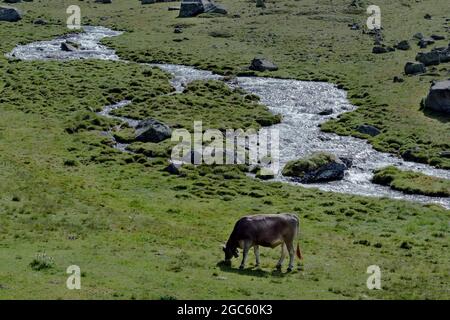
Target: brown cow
(267, 230)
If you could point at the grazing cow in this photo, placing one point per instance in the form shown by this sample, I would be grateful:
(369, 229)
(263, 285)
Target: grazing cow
(267, 230)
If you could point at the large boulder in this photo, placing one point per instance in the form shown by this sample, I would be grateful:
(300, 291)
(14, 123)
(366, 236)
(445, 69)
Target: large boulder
(69, 46)
(192, 8)
(415, 68)
(10, 14)
(438, 98)
(152, 130)
(319, 167)
(429, 58)
(261, 64)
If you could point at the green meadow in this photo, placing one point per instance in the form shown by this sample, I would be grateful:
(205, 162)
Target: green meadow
(139, 232)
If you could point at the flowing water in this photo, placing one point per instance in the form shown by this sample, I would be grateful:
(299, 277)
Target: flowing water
(299, 102)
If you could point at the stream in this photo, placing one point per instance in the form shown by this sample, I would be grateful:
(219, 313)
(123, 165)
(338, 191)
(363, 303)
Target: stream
(299, 102)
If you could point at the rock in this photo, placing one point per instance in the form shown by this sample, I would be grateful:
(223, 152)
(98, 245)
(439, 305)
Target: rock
(261, 64)
(40, 22)
(398, 80)
(192, 8)
(423, 43)
(354, 26)
(381, 49)
(152, 130)
(438, 98)
(445, 154)
(347, 161)
(68, 46)
(414, 154)
(403, 45)
(418, 36)
(369, 130)
(437, 37)
(10, 14)
(415, 68)
(173, 168)
(326, 112)
(427, 16)
(260, 4)
(178, 30)
(444, 54)
(429, 58)
(319, 167)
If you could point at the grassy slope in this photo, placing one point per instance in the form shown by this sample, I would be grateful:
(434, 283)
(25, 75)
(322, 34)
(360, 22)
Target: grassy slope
(412, 182)
(141, 233)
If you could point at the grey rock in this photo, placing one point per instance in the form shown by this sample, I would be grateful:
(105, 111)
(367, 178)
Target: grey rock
(445, 154)
(437, 37)
(418, 36)
(260, 4)
(152, 130)
(438, 98)
(262, 64)
(173, 168)
(423, 43)
(330, 172)
(379, 50)
(347, 161)
(68, 47)
(192, 8)
(403, 45)
(369, 130)
(326, 112)
(10, 14)
(415, 68)
(429, 58)
(40, 22)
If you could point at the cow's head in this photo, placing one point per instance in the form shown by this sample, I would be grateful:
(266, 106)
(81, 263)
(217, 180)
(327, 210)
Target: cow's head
(230, 252)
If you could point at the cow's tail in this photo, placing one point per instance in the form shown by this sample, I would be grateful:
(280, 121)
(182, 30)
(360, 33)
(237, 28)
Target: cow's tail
(298, 252)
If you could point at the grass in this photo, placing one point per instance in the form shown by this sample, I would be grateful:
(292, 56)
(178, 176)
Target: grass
(138, 232)
(412, 182)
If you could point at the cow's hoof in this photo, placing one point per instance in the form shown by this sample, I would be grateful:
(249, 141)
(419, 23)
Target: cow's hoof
(289, 269)
(278, 267)
(241, 267)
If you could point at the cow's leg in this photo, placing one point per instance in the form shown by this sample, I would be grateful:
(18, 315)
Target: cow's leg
(283, 254)
(256, 248)
(244, 254)
(290, 247)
